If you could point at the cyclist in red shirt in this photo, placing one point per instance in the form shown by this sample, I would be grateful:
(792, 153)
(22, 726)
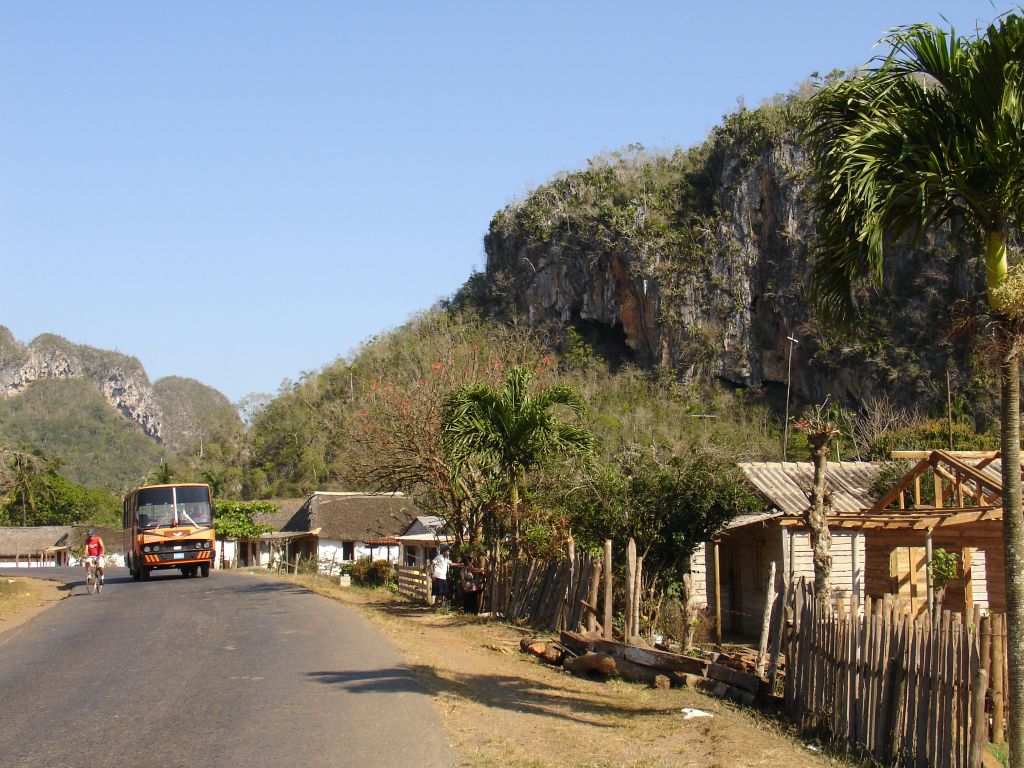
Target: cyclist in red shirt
(93, 553)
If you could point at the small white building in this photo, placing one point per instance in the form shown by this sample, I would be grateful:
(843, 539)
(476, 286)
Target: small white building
(42, 546)
(333, 527)
(421, 539)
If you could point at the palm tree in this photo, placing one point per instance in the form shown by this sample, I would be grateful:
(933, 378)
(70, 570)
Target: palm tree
(163, 474)
(510, 431)
(933, 133)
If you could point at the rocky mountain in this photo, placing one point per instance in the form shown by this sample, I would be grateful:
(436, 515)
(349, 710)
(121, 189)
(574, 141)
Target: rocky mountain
(695, 261)
(98, 410)
(121, 379)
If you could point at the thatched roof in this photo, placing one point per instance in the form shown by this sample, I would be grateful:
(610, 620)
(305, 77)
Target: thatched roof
(354, 516)
(34, 539)
(286, 509)
(784, 487)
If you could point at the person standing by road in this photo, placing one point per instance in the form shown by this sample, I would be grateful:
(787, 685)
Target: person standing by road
(439, 575)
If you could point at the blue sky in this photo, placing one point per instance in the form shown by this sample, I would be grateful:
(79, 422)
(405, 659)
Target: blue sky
(239, 192)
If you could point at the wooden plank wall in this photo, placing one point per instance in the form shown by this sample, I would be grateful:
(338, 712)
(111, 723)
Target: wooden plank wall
(738, 548)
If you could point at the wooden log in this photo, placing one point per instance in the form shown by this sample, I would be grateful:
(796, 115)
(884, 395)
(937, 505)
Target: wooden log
(766, 621)
(732, 677)
(592, 663)
(575, 642)
(659, 660)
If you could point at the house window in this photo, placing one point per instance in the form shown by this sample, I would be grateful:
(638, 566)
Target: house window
(348, 550)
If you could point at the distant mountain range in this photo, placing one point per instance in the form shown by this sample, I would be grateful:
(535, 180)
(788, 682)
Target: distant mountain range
(98, 410)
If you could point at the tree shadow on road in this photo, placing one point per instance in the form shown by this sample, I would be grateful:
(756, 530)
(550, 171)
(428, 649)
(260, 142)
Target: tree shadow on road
(516, 694)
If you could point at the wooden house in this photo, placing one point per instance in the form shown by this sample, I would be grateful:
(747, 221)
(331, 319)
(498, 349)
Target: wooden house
(730, 574)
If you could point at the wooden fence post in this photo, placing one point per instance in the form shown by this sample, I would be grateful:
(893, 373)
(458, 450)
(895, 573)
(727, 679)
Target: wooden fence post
(769, 603)
(595, 588)
(630, 589)
(979, 728)
(608, 589)
(998, 678)
(780, 631)
(718, 595)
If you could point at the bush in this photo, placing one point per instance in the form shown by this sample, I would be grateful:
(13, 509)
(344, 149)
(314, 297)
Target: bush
(371, 573)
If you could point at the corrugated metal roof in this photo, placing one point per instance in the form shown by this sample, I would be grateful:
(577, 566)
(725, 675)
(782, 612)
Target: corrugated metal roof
(785, 486)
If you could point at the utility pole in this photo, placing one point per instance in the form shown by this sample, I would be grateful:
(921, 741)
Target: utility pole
(789, 380)
(949, 406)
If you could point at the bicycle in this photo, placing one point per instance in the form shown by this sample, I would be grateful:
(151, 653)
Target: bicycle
(93, 581)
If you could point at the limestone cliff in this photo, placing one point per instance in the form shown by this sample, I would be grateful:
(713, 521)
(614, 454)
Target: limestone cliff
(121, 379)
(696, 260)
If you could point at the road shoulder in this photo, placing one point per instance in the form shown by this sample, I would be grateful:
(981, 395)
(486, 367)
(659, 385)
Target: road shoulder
(22, 598)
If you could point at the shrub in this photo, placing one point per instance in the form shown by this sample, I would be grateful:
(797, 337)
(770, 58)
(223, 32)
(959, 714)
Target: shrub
(371, 573)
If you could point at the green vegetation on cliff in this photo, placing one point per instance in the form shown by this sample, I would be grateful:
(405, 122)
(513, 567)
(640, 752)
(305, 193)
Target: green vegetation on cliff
(70, 419)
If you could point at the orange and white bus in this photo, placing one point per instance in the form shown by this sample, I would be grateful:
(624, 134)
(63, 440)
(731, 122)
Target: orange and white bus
(169, 526)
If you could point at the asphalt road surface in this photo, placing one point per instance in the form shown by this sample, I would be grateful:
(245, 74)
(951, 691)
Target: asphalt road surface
(231, 670)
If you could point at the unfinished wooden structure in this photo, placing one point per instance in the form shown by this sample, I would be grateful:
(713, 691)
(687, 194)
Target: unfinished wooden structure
(951, 500)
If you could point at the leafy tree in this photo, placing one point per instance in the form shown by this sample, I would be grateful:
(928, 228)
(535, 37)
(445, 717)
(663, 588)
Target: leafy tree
(669, 506)
(39, 495)
(934, 133)
(235, 519)
(27, 469)
(509, 431)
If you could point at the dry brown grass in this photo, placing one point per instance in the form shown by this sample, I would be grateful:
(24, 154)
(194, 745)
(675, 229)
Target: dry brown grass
(502, 708)
(22, 598)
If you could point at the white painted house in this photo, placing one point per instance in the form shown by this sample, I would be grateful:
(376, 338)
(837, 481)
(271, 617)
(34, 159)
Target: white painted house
(334, 527)
(421, 539)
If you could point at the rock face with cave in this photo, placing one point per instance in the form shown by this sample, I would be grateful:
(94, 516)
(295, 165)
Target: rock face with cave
(697, 263)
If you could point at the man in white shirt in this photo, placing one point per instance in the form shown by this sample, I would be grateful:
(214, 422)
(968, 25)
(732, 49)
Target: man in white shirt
(439, 575)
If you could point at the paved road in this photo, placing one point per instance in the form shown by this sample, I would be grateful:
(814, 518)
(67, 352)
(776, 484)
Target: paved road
(232, 670)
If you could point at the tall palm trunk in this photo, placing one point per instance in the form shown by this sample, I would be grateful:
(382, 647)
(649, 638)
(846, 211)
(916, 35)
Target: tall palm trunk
(1013, 541)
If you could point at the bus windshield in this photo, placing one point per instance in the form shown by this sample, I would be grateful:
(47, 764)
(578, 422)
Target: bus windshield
(170, 506)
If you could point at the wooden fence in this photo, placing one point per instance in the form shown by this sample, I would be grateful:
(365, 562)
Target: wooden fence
(412, 582)
(902, 691)
(546, 594)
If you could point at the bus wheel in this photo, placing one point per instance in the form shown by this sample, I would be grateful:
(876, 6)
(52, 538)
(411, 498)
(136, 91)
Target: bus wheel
(143, 573)
(133, 568)
(204, 570)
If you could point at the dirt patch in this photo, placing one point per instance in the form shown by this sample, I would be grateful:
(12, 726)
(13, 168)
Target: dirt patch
(500, 707)
(21, 598)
